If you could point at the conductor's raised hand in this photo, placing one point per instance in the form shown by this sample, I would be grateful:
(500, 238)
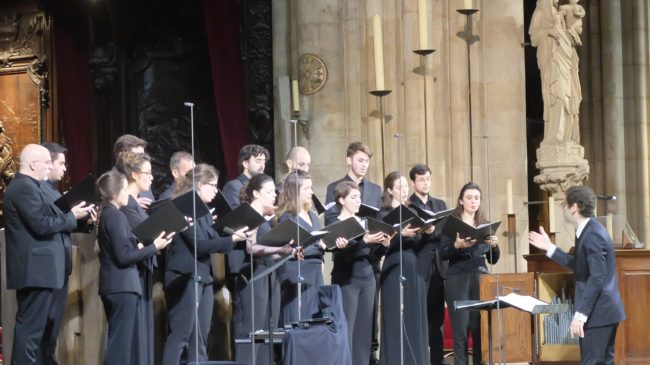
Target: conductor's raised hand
(540, 240)
(163, 240)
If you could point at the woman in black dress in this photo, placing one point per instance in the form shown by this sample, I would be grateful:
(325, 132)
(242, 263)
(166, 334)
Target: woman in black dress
(296, 204)
(251, 305)
(466, 265)
(415, 328)
(120, 286)
(353, 272)
(191, 309)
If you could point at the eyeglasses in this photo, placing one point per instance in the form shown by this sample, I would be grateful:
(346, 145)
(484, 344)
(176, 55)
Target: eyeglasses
(145, 172)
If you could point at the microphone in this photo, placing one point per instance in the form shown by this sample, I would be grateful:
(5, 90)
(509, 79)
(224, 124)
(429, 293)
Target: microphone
(187, 103)
(606, 197)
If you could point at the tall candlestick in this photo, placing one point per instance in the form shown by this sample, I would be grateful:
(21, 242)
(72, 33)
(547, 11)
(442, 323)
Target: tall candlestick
(379, 52)
(295, 97)
(610, 225)
(422, 21)
(511, 209)
(551, 214)
(467, 4)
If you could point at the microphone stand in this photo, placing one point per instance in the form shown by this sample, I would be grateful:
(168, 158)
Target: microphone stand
(402, 278)
(197, 278)
(300, 279)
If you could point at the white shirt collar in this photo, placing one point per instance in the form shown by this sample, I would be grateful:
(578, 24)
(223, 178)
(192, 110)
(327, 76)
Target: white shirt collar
(581, 227)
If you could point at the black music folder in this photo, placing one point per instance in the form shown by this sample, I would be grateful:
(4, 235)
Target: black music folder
(366, 211)
(185, 203)
(452, 225)
(220, 205)
(82, 192)
(242, 216)
(373, 226)
(349, 229)
(157, 204)
(289, 230)
(166, 218)
(408, 215)
(320, 208)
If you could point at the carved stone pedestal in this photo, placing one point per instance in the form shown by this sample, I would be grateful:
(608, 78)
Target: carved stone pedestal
(561, 166)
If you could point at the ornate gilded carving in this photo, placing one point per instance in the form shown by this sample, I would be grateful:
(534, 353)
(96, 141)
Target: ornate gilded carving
(313, 74)
(7, 163)
(38, 73)
(9, 28)
(103, 66)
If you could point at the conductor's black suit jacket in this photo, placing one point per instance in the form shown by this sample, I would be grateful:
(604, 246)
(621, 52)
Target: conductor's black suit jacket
(35, 244)
(594, 265)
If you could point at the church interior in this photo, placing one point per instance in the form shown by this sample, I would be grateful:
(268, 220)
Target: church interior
(471, 88)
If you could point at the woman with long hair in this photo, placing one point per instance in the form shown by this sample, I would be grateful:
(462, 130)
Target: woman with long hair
(259, 192)
(353, 272)
(295, 204)
(191, 309)
(120, 286)
(466, 265)
(415, 335)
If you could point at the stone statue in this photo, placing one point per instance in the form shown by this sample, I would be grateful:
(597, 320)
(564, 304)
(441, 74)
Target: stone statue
(555, 32)
(557, 60)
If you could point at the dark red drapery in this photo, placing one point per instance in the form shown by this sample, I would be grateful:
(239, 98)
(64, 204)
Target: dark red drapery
(223, 35)
(74, 93)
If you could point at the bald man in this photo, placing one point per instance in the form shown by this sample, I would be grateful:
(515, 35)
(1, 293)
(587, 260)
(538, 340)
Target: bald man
(298, 159)
(35, 251)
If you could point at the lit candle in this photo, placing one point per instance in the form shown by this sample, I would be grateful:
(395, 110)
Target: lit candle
(379, 52)
(610, 225)
(295, 97)
(422, 21)
(511, 209)
(551, 214)
(467, 4)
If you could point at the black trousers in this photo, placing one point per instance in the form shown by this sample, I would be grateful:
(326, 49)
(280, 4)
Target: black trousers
(374, 341)
(436, 316)
(597, 347)
(121, 315)
(34, 305)
(183, 338)
(358, 296)
(464, 286)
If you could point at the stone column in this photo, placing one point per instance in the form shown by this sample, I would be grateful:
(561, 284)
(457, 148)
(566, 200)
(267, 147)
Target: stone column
(613, 111)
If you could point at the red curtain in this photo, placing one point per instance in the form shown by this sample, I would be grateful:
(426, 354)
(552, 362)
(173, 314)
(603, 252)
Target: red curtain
(223, 36)
(74, 92)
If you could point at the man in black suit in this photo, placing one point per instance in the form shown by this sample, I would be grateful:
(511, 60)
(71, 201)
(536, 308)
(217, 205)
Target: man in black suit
(36, 263)
(252, 160)
(179, 164)
(358, 157)
(433, 268)
(598, 305)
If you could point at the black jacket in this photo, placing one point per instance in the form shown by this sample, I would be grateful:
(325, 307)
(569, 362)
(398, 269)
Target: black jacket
(370, 195)
(433, 242)
(34, 235)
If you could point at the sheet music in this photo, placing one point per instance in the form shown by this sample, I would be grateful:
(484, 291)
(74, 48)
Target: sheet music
(523, 302)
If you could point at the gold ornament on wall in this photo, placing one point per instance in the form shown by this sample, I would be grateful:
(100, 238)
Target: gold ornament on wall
(313, 74)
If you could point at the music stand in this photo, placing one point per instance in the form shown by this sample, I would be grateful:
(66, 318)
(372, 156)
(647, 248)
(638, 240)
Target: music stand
(489, 305)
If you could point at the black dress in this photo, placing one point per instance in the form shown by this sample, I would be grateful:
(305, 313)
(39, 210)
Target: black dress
(353, 272)
(466, 266)
(135, 215)
(415, 336)
(310, 271)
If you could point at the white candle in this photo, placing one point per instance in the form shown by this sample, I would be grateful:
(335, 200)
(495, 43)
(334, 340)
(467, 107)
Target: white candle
(610, 225)
(422, 21)
(379, 52)
(511, 209)
(551, 214)
(295, 97)
(467, 4)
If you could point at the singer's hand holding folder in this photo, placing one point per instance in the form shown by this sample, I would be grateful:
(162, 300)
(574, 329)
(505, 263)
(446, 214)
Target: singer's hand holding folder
(82, 192)
(166, 218)
(350, 228)
(453, 225)
(287, 231)
(242, 216)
